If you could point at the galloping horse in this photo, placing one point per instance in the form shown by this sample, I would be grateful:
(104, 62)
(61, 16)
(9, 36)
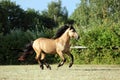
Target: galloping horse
(60, 45)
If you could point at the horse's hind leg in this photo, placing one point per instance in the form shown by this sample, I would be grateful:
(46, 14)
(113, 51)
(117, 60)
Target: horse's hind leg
(38, 54)
(44, 60)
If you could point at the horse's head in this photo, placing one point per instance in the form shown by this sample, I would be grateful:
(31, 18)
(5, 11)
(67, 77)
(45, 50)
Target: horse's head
(69, 29)
(72, 33)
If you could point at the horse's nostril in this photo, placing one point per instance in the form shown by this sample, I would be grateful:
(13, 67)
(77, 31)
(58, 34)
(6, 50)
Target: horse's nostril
(78, 37)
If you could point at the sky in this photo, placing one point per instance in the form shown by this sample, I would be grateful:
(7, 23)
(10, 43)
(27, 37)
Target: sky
(40, 5)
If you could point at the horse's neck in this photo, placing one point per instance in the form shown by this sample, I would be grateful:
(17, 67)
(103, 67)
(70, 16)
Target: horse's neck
(65, 38)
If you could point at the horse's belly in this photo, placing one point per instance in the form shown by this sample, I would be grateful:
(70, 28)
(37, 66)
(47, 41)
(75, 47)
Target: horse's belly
(48, 47)
(45, 45)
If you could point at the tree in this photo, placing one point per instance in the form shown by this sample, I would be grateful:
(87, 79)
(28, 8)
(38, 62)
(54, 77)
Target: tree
(56, 12)
(90, 12)
(30, 20)
(81, 13)
(10, 16)
(14, 17)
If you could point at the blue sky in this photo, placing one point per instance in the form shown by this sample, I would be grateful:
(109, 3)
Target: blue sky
(41, 5)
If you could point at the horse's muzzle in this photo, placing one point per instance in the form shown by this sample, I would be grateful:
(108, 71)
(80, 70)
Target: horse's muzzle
(78, 37)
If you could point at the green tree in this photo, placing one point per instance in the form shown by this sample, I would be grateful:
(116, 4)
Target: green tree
(99, 28)
(56, 12)
(14, 17)
(10, 16)
(91, 12)
(81, 13)
(30, 20)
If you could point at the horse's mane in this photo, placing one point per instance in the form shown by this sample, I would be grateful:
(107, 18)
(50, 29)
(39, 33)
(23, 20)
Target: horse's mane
(61, 30)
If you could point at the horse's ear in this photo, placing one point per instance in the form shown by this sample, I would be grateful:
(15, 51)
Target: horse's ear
(70, 26)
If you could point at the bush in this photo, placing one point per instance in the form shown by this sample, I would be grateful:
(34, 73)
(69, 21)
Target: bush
(103, 45)
(10, 44)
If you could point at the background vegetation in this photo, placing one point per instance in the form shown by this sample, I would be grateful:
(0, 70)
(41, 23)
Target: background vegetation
(96, 21)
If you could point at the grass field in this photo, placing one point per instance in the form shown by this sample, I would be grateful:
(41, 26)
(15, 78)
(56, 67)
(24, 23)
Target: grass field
(77, 72)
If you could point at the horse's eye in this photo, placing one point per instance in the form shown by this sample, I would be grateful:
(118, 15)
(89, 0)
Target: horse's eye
(73, 31)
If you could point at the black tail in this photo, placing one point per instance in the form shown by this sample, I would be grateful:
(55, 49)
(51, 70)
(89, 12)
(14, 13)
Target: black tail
(26, 51)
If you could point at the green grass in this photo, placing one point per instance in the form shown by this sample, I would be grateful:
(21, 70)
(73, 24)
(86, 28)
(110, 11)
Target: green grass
(77, 72)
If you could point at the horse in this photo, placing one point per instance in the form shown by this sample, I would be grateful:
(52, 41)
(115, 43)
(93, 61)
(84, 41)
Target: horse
(59, 44)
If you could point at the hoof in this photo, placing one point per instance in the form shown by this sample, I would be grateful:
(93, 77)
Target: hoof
(70, 65)
(42, 67)
(59, 65)
(49, 67)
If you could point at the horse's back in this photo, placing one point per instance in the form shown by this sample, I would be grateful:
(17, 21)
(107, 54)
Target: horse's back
(45, 44)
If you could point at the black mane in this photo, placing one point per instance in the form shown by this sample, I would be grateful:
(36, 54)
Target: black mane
(62, 30)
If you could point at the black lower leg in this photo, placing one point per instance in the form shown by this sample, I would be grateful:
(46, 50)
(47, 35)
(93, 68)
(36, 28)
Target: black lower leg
(41, 64)
(47, 65)
(60, 64)
(72, 60)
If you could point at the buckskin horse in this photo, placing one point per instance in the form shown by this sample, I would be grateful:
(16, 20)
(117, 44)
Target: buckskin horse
(60, 44)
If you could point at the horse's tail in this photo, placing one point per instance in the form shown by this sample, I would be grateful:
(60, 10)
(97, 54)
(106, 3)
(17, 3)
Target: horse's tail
(26, 51)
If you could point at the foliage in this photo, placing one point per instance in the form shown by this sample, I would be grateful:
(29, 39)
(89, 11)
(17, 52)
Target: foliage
(103, 46)
(99, 26)
(96, 21)
(13, 43)
(57, 12)
(11, 16)
(96, 12)
(14, 17)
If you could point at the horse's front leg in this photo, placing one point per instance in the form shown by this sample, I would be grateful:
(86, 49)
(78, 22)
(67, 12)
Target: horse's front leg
(72, 59)
(62, 57)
